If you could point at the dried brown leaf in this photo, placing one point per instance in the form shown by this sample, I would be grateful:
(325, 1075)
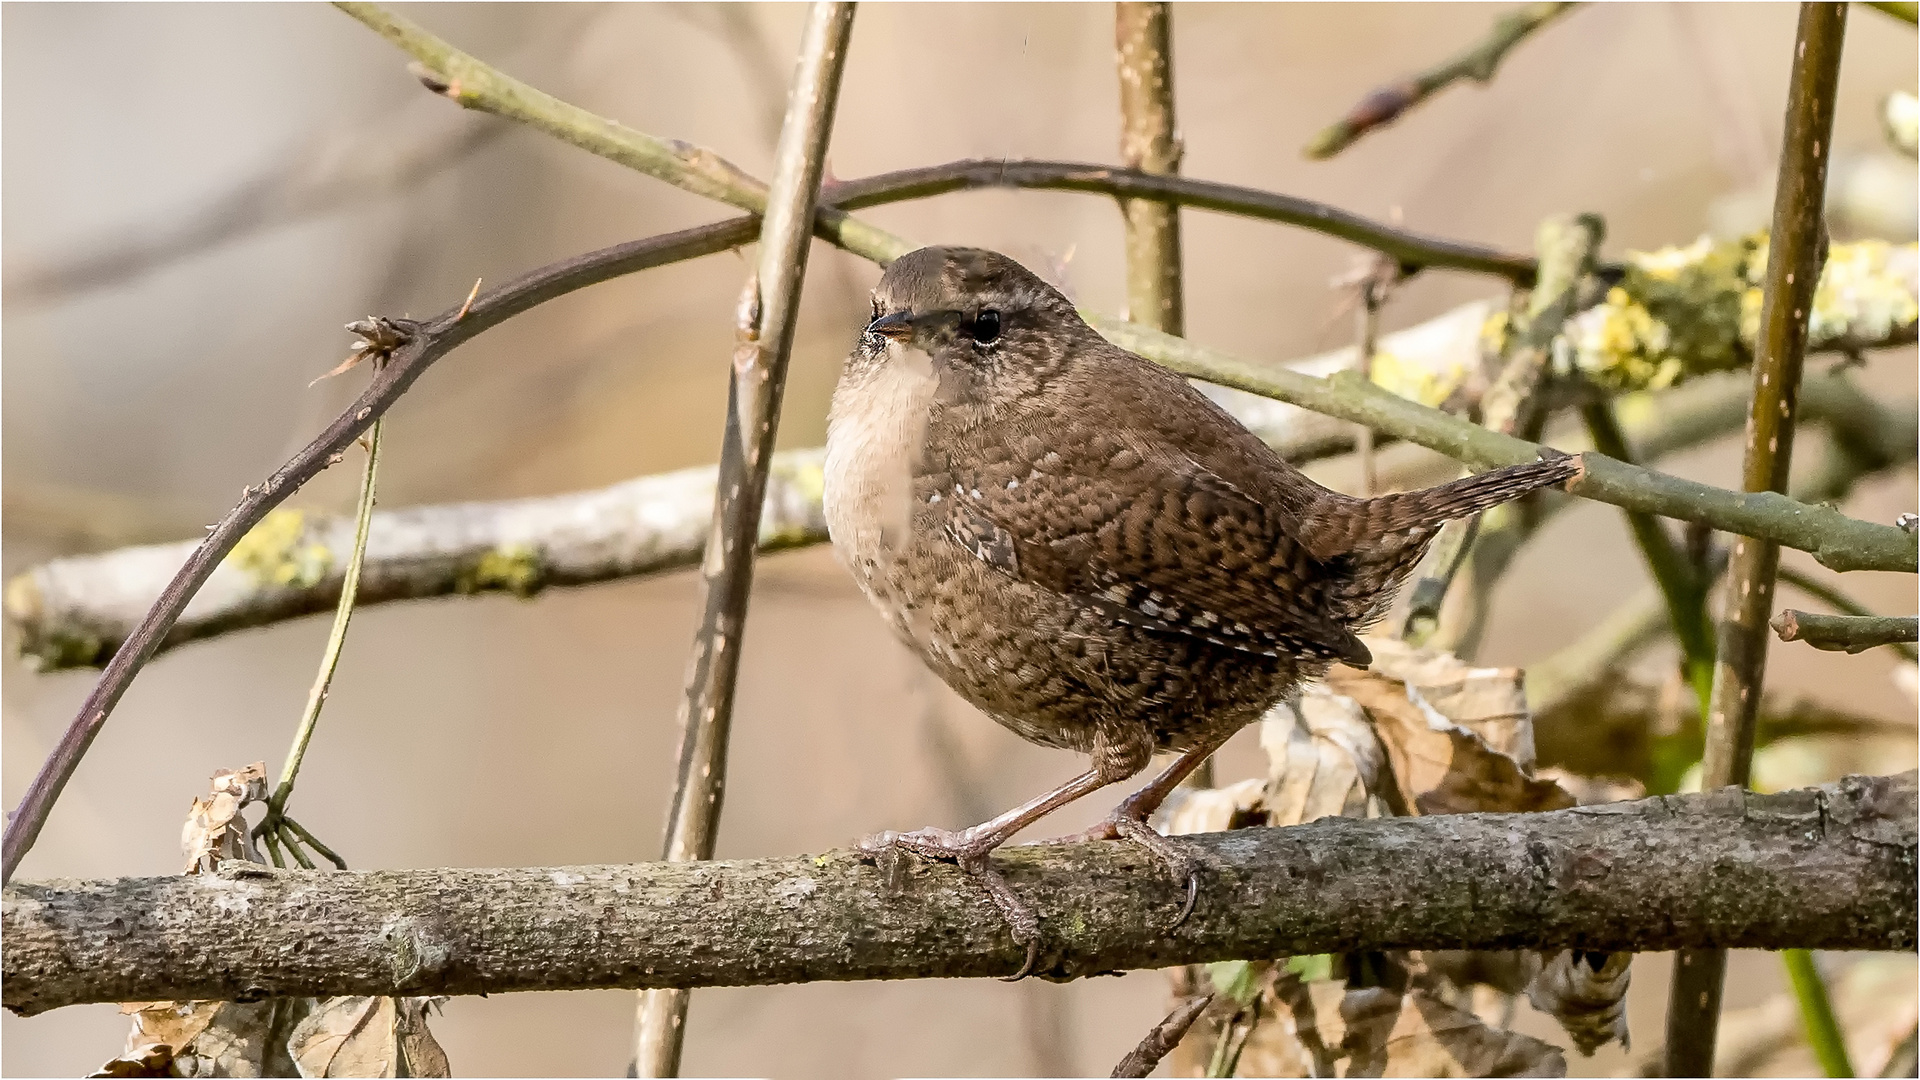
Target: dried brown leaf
(1323, 759)
(209, 1038)
(1587, 993)
(1458, 737)
(1324, 1029)
(1204, 810)
(368, 1036)
(215, 830)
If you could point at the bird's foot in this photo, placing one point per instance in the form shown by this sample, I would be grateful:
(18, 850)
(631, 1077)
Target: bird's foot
(1129, 822)
(970, 850)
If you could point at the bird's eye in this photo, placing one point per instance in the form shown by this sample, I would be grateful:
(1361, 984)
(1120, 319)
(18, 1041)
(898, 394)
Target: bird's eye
(983, 328)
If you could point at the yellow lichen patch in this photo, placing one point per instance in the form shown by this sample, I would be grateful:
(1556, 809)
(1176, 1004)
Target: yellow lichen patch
(515, 568)
(1682, 311)
(279, 551)
(23, 599)
(1862, 295)
(1424, 383)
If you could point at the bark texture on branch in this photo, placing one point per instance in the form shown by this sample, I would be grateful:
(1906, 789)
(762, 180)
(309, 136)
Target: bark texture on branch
(1830, 867)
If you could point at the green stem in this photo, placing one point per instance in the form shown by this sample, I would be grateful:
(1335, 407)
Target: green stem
(1816, 1010)
(1684, 589)
(337, 637)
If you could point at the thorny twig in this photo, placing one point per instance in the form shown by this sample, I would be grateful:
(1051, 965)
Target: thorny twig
(1797, 249)
(769, 310)
(1384, 105)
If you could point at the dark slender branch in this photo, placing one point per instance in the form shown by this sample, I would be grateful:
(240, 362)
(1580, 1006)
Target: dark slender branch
(1727, 867)
(769, 310)
(1164, 1036)
(1845, 633)
(1409, 248)
(1797, 247)
(1385, 105)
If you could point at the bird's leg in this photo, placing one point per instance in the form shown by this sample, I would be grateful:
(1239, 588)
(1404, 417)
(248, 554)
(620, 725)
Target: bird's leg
(970, 847)
(1129, 821)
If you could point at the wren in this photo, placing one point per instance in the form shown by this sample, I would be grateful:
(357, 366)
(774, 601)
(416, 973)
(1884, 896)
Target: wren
(1088, 549)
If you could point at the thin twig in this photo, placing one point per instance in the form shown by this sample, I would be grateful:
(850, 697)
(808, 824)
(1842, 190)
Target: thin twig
(275, 825)
(1162, 1038)
(1845, 633)
(1797, 249)
(1839, 601)
(1386, 104)
(769, 310)
(1149, 142)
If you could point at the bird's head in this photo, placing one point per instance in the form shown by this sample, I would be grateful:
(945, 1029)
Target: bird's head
(988, 324)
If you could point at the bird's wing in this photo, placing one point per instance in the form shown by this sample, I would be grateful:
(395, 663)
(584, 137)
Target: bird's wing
(1146, 535)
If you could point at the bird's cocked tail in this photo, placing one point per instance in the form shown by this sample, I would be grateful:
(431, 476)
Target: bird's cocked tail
(1402, 511)
(1377, 542)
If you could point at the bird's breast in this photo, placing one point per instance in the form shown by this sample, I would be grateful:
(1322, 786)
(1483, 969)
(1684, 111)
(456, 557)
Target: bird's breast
(876, 442)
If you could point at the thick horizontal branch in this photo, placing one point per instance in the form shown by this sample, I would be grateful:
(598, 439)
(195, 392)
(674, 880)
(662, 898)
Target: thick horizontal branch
(1845, 633)
(1830, 868)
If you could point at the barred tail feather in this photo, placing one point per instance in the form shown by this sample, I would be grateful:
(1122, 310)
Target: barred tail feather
(1395, 513)
(1380, 540)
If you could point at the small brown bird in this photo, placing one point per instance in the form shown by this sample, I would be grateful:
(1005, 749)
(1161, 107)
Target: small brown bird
(1089, 550)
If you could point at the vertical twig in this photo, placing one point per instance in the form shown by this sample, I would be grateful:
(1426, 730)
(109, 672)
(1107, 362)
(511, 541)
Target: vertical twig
(1143, 42)
(769, 308)
(1797, 247)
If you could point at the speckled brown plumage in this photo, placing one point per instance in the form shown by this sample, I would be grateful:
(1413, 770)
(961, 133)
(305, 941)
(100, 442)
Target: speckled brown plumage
(1085, 547)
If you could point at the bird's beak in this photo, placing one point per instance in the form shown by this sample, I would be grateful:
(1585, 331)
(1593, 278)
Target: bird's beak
(897, 326)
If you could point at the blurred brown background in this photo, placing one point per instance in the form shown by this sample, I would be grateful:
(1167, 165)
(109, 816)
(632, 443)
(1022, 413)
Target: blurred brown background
(494, 731)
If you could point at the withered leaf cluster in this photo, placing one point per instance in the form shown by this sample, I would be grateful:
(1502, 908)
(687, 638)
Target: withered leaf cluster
(340, 1036)
(1420, 733)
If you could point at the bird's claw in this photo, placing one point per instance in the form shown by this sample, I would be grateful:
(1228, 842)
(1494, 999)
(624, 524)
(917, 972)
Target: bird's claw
(1126, 823)
(970, 852)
